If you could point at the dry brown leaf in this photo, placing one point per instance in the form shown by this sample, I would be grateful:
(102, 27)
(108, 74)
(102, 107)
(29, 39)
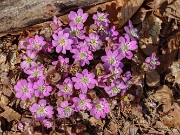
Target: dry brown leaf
(112, 129)
(175, 69)
(150, 34)
(128, 10)
(8, 113)
(172, 119)
(153, 78)
(129, 129)
(170, 53)
(96, 122)
(164, 96)
(173, 10)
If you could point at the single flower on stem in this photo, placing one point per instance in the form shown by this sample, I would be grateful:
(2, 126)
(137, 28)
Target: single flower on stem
(41, 88)
(29, 60)
(112, 59)
(84, 81)
(65, 110)
(100, 109)
(126, 46)
(66, 89)
(131, 31)
(36, 43)
(77, 18)
(42, 110)
(101, 19)
(152, 61)
(94, 42)
(62, 42)
(84, 55)
(24, 89)
(82, 103)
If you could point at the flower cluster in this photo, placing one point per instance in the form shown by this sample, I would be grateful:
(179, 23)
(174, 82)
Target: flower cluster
(89, 58)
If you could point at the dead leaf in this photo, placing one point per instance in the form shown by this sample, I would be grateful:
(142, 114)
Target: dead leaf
(150, 34)
(169, 54)
(128, 10)
(153, 78)
(8, 113)
(173, 10)
(175, 69)
(164, 96)
(96, 122)
(172, 119)
(112, 128)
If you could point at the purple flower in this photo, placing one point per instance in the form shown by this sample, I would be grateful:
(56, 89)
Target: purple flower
(115, 88)
(41, 110)
(152, 61)
(47, 123)
(65, 111)
(84, 81)
(82, 103)
(112, 59)
(36, 43)
(101, 19)
(25, 126)
(66, 89)
(100, 109)
(83, 55)
(126, 77)
(115, 72)
(61, 60)
(42, 89)
(126, 46)
(94, 42)
(24, 43)
(35, 72)
(62, 42)
(131, 31)
(29, 59)
(77, 19)
(23, 89)
(75, 33)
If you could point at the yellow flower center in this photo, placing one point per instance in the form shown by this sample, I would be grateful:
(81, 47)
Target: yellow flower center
(98, 107)
(62, 41)
(82, 55)
(79, 19)
(84, 80)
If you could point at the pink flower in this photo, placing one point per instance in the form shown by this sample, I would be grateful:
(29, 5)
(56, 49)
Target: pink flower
(100, 109)
(75, 33)
(61, 60)
(152, 61)
(82, 103)
(62, 42)
(42, 89)
(83, 55)
(131, 31)
(66, 89)
(36, 43)
(126, 46)
(35, 72)
(77, 19)
(115, 88)
(112, 59)
(65, 111)
(101, 19)
(41, 110)
(23, 89)
(29, 60)
(84, 81)
(94, 42)
(47, 123)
